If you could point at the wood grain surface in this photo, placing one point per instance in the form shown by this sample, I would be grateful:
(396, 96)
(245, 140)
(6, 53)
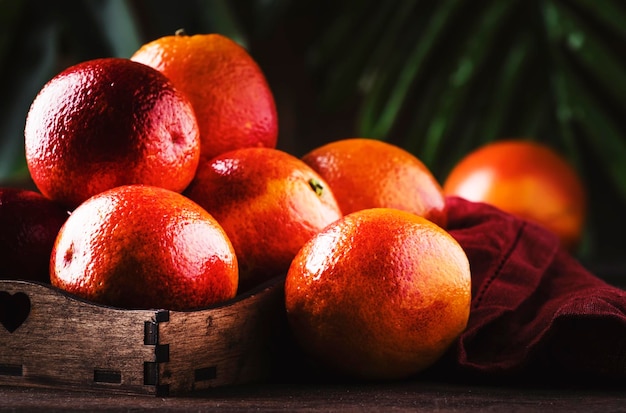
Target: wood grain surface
(406, 396)
(50, 339)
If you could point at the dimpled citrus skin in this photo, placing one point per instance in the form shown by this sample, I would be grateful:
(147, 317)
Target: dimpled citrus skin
(380, 294)
(142, 247)
(230, 94)
(109, 122)
(368, 173)
(264, 200)
(29, 223)
(527, 179)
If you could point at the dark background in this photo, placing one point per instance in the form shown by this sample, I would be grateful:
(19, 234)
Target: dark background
(438, 78)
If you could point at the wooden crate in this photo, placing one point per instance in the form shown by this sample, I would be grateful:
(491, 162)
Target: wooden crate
(50, 339)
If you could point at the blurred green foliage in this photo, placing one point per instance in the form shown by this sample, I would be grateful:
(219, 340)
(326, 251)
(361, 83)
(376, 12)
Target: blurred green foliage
(438, 78)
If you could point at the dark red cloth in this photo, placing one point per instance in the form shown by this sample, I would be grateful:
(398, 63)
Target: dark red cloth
(536, 312)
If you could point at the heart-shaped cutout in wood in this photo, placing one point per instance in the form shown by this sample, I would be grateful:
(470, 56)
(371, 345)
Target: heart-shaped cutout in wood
(14, 310)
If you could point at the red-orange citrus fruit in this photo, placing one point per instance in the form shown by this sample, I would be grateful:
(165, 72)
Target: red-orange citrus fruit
(29, 224)
(268, 202)
(527, 179)
(380, 294)
(109, 122)
(233, 102)
(142, 247)
(368, 173)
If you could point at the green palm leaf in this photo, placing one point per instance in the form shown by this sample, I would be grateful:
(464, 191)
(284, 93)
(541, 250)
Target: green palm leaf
(452, 75)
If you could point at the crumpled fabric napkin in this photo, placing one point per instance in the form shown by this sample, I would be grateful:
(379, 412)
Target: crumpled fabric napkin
(536, 312)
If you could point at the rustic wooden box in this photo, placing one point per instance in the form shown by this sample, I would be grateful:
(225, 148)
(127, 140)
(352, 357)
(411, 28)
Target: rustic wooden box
(50, 339)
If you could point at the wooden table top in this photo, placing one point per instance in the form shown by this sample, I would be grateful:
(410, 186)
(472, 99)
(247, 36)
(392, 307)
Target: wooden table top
(404, 396)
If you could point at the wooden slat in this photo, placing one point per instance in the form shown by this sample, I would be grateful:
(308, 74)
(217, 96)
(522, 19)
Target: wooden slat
(65, 342)
(227, 345)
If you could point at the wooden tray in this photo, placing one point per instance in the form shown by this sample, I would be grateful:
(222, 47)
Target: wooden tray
(51, 339)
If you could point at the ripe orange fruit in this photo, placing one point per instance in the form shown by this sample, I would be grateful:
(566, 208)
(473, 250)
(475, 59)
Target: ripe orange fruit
(109, 122)
(379, 294)
(527, 179)
(29, 224)
(230, 94)
(142, 247)
(268, 202)
(368, 173)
